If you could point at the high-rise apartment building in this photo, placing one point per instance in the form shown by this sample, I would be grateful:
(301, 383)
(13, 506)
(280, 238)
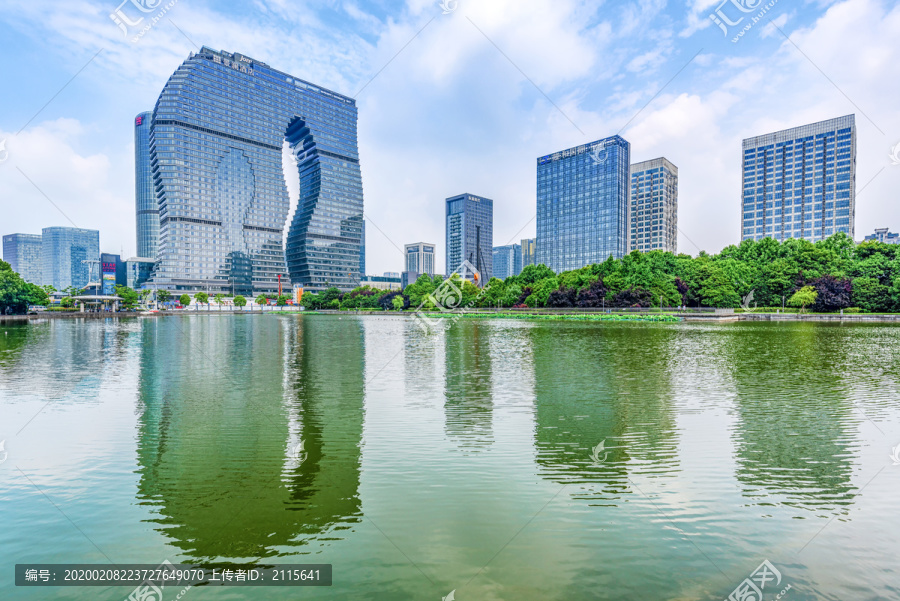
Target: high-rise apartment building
(528, 251)
(216, 142)
(23, 253)
(653, 211)
(420, 258)
(507, 261)
(145, 204)
(883, 234)
(800, 182)
(582, 204)
(70, 256)
(470, 234)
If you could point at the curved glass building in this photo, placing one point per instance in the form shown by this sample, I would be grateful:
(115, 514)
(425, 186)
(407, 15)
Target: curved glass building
(216, 140)
(146, 207)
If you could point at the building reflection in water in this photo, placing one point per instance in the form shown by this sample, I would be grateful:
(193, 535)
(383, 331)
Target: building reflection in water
(794, 447)
(468, 391)
(224, 407)
(603, 406)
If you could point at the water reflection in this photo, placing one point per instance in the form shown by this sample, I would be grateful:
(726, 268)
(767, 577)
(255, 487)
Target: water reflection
(795, 437)
(222, 412)
(606, 386)
(468, 393)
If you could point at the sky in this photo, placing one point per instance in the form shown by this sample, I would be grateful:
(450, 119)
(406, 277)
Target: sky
(458, 96)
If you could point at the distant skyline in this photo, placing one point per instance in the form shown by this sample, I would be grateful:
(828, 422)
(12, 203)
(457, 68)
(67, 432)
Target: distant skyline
(450, 112)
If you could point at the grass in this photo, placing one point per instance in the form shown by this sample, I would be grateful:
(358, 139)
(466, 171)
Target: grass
(651, 317)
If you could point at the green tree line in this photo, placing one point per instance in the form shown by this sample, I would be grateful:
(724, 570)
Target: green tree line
(824, 276)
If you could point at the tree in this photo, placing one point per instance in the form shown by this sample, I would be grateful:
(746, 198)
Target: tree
(184, 300)
(803, 297)
(201, 297)
(240, 301)
(397, 303)
(163, 296)
(832, 294)
(129, 297)
(282, 300)
(563, 297)
(870, 295)
(219, 298)
(262, 300)
(16, 295)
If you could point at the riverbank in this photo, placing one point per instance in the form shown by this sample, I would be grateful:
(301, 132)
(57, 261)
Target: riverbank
(539, 314)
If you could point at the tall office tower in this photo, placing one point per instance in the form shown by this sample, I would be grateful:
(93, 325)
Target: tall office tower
(470, 234)
(528, 252)
(654, 206)
(420, 258)
(507, 261)
(362, 249)
(216, 143)
(582, 204)
(145, 204)
(23, 253)
(800, 182)
(71, 257)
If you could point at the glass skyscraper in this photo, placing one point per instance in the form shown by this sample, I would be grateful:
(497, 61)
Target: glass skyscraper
(654, 206)
(420, 258)
(23, 253)
(146, 206)
(71, 257)
(800, 182)
(507, 261)
(216, 141)
(582, 204)
(470, 234)
(528, 251)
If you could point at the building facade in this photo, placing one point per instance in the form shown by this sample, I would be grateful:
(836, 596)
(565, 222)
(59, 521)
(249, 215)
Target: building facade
(23, 253)
(216, 142)
(145, 204)
(420, 258)
(70, 257)
(382, 282)
(137, 272)
(582, 204)
(884, 235)
(470, 234)
(528, 251)
(507, 261)
(653, 210)
(113, 273)
(800, 182)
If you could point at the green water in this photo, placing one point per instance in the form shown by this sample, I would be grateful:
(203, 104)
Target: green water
(460, 460)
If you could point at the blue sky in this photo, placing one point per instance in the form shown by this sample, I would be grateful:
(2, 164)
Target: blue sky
(466, 106)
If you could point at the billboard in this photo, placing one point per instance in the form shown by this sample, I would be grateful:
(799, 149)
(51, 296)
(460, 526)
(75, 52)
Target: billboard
(108, 272)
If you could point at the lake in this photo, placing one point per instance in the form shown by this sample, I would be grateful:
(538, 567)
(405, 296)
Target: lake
(498, 459)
